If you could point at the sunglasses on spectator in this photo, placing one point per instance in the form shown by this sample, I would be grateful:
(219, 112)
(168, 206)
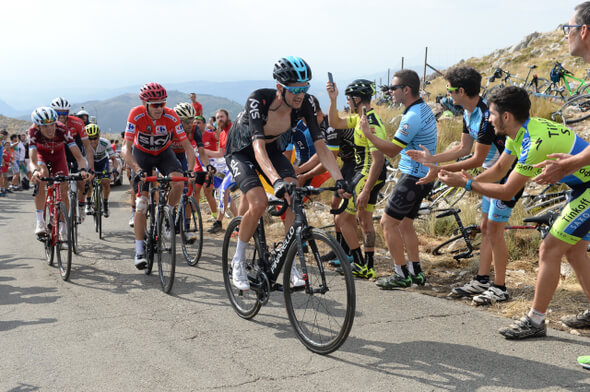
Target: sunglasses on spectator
(568, 28)
(157, 104)
(62, 113)
(452, 89)
(297, 90)
(394, 87)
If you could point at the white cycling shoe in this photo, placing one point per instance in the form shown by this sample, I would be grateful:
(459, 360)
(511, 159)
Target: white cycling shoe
(239, 276)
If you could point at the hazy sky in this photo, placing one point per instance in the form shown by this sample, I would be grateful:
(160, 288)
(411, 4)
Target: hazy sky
(113, 43)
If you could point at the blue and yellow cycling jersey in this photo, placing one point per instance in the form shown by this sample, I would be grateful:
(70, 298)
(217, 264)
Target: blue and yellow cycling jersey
(538, 138)
(417, 127)
(477, 125)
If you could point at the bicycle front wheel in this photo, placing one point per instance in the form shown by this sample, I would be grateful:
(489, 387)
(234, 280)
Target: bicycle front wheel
(457, 245)
(63, 249)
(191, 231)
(245, 303)
(322, 312)
(73, 198)
(448, 198)
(48, 240)
(576, 109)
(166, 248)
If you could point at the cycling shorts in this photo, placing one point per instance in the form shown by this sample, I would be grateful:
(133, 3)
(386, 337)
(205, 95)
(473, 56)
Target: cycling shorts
(347, 169)
(245, 168)
(182, 159)
(165, 162)
(573, 222)
(497, 210)
(351, 208)
(102, 165)
(406, 197)
(56, 164)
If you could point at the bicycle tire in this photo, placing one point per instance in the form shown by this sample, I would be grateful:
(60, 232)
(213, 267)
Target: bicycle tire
(245, 303)
(166, 248)
(64, 263)
(323, 319)
(390, 183)
(448, 198)
(150, 241)
(452, 247)
(48, 242)
(575, 109)
(191, 250)
(493, 89)
(73, 198)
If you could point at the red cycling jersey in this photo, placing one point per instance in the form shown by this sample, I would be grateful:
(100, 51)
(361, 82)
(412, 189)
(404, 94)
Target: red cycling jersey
(210, 141)
(76, 127)
(52, 151)
(153, 137)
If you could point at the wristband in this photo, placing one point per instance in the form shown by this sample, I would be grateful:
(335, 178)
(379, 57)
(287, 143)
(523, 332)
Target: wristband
(468, 184)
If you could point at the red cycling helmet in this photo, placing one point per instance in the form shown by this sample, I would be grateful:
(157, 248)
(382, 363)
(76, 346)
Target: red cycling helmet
(151, 92)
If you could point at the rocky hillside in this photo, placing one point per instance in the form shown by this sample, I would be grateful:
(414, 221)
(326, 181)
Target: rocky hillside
(12, 125)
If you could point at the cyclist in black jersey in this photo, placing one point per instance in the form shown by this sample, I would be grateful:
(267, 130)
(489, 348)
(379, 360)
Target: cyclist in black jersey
(255, 144)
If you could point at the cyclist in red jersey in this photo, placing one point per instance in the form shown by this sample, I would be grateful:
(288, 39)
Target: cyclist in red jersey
(47, 141)
(76, 128)
(151, 127)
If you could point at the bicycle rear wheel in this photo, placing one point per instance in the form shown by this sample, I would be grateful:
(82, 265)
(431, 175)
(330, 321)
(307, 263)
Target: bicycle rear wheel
(191, 231)
(48, 240)
(73, 198)
(323, 314)
(245, 303)
(150, 245)
(64, 245)
(448, 198)
(457, 245)
(576, 109)
(166, 248)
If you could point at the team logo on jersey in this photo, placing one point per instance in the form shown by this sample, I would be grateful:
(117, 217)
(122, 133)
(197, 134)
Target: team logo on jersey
(130, 127)
(179, 129)
(160, 129)
(254, 113)
(148, 128)
(500, 205)
(404, 129)
(140, 115)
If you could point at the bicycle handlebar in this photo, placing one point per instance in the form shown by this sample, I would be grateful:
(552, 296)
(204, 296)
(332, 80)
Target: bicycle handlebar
(308, 191)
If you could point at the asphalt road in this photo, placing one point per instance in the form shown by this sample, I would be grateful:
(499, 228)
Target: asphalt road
(111, 328)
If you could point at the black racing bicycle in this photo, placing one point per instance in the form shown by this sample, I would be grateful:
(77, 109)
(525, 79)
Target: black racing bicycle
(321, 311)
(97, 200)
(189, 223)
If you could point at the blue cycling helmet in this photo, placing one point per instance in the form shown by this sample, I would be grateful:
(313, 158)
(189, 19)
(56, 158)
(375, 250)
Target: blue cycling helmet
(291, 70)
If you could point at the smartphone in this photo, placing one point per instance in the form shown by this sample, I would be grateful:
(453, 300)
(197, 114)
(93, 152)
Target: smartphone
(365, 110)
(330, 78)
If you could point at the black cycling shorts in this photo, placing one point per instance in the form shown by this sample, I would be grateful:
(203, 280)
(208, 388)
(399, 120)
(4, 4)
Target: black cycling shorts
(166, 163)
(406, 198)
(245, 168)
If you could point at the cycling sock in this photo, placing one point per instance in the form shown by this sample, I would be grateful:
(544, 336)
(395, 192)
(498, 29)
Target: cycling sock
(483, 278)
(401, 270)
(369, 259)
(39, 214)
(357, 256)
(503, 287)
(536, 317)
(240, 251)
(80, 203)
(214, 215)
(414, 267)
(88, 201)
(139, 247)
(342, 242)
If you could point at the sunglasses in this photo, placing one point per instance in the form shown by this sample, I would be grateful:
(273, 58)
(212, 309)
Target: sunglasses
(452, 89)
(157, 104)
(297, 90)
(568, 28)
(396, 86)
(60, 113)
(48, 121)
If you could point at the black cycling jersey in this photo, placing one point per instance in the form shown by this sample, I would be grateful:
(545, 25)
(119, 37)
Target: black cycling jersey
(249, 124)
(341, 140)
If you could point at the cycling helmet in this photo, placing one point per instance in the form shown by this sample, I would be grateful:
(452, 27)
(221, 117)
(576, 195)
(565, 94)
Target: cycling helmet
(360, 88)
(82, 113)
(93, 131)
(60, 104)
(152, 92)
(185, 111)
(291, 70)
(44, 116)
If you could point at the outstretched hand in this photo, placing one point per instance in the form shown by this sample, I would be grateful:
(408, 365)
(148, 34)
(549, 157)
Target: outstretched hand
(454, 179)
(430, 176)
(423, 156)
(553, 170)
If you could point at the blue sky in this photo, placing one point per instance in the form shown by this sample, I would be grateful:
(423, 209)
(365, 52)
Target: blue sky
(67, 44)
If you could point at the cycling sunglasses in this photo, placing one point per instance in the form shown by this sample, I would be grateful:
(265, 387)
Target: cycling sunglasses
(157, 104)
(452, 89)
(297, 90)
(62, 113)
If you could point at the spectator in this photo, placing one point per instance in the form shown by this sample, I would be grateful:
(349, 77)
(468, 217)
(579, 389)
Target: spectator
(212, 124)
(19, 161)
(5, 166)
(198, 107)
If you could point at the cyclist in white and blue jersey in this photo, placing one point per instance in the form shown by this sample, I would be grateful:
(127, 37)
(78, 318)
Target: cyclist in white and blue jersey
(464, 86)
(417, 127)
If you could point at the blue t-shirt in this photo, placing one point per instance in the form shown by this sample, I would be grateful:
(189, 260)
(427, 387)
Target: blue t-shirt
(301, 140)
(417, 127)
(477, 124)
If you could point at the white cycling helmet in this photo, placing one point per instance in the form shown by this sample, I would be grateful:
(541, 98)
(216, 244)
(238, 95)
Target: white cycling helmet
(44, 116)
(185, 111)
(61, 104)
(82, 112)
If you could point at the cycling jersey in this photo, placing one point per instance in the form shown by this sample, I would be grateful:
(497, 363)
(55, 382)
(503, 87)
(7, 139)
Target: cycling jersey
(301, 141)
(341, 140)
(193, 136)
(249, 124)
(78, 131)
(51, 152)
(103, 150)
(210, 141)
(477, 125)
(417, 127)
(363, 146)
(153, 136)
(539, 137)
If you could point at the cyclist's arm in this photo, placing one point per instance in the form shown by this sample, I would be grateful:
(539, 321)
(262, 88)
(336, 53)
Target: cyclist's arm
(315, 170)
(126, 150)
(555, 170)
(334, 120)
(499, 170)
(220, 153)
(477, 160)
(190, 154)
(89, 153)
(264, 161)
(388, 148)
(203, 155)
(79, 157)
(376, 168)
(506, 191)
(456, 152)
(33, 159)
(310, 164)
(327, 159)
